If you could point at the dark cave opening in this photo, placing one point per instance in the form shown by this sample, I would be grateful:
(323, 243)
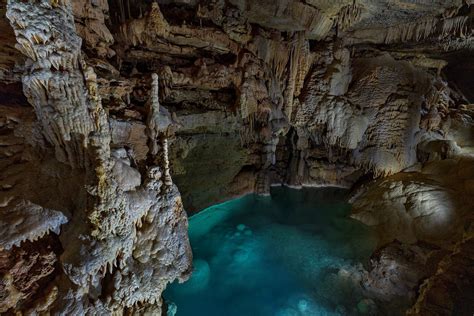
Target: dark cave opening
(460, 72)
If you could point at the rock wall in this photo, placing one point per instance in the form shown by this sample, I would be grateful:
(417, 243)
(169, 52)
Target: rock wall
(131, 100)
(277, 80)
(427, 208)
(96, 233)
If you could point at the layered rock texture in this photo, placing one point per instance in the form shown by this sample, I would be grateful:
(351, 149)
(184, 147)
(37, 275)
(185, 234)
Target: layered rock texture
(108, 107)
(86, 229)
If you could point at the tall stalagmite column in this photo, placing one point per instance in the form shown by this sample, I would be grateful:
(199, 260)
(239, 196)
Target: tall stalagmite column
(126, 237)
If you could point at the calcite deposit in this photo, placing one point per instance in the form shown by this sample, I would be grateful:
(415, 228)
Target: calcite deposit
(117, 116)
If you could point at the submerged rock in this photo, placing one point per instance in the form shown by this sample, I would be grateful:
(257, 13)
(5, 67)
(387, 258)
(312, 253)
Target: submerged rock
(367, 307)
(241, 227)
(199, 278)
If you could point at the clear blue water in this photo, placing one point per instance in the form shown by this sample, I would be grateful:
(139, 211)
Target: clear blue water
(294, 253)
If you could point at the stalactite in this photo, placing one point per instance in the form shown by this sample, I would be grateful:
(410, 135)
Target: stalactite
(146, 29)
(275, 53)
(308, 86)
(296, 67)
(105, 220)
(153, 114)
(454, 26)
(348, 16)
(69, 95)
(413, 31)
(426, 28)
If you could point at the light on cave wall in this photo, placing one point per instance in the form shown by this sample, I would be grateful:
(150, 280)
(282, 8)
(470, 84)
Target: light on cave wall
(434, 213)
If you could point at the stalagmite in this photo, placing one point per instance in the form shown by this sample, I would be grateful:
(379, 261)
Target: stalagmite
(166, 163)
(153, 116)
(102, 225)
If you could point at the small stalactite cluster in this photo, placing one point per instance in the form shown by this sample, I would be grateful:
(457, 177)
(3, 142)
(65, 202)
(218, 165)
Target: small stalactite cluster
(348, 16)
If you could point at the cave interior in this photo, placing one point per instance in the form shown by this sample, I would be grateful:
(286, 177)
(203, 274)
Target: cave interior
(121, 119)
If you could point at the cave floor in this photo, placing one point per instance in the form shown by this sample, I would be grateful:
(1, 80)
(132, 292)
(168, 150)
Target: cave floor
(294, 253)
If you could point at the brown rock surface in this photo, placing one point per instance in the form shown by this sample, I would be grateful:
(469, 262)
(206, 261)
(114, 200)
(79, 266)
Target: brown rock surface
(25, 271)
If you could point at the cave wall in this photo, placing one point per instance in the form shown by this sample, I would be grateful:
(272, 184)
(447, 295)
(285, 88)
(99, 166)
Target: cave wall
(117, 116)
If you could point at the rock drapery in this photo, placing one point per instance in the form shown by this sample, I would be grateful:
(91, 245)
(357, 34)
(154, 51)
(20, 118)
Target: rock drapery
(131, 100)
(124, 233)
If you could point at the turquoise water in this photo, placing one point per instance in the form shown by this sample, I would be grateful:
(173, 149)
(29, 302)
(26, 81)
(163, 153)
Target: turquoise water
(294, 253)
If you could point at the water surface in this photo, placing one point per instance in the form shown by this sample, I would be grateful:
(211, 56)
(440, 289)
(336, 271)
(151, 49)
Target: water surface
(294, 253)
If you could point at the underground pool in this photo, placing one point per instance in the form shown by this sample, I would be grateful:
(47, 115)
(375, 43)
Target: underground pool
(294, 253)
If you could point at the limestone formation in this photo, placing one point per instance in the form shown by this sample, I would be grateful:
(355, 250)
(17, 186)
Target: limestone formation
(125, 225)
(116, 116)
(397, 269)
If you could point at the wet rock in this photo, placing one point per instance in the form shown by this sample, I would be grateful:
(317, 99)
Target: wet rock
(397, 270)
